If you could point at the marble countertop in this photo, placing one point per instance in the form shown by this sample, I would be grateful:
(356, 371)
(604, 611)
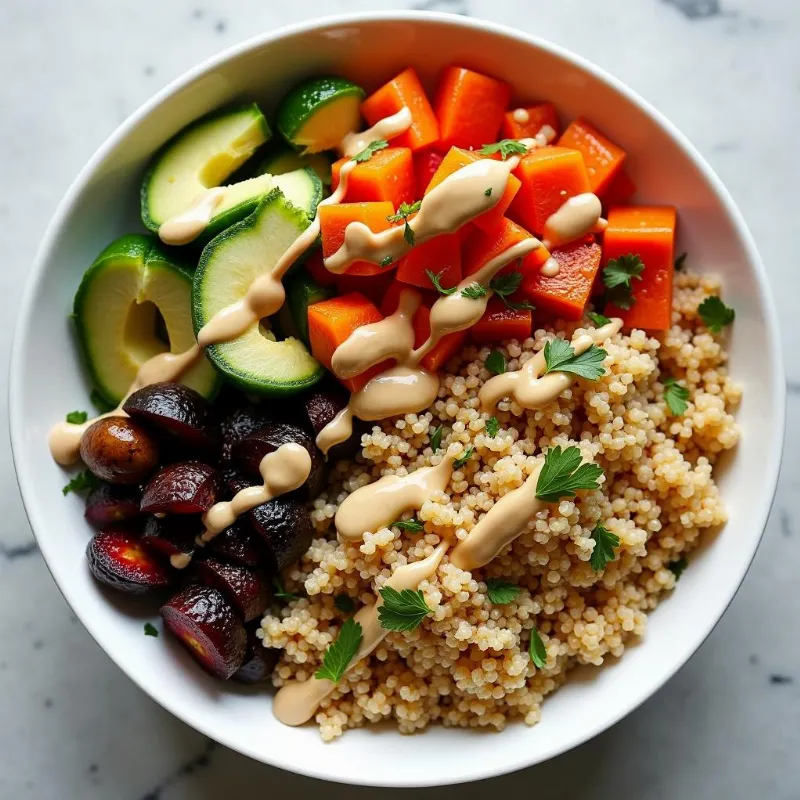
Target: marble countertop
(728, 73)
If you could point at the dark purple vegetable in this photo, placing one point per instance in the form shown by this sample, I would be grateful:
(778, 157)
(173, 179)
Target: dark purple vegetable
(118, 559)
(238, 545)
(240, 423)
(322, 404)
(109, 505)
(188, 487)
(285, 528)
(245, 589)
(172, 536)
(259, 661)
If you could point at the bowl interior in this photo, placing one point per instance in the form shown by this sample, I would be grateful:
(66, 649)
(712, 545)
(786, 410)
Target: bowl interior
(47, 381)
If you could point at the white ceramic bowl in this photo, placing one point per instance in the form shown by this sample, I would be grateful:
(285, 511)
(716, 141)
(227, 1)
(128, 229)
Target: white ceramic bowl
(46, 381)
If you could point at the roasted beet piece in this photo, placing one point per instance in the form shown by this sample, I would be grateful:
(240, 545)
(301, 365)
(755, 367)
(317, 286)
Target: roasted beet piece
(245, 589)
(285, 527)
(181, 413)
(119, 559)
(173, 537)
(259, 661)
(322, 404)
(249, 452)
(119, 450)
(189, 487)
(240, 423)
(109, 505)
(238, 545)
(206, 625)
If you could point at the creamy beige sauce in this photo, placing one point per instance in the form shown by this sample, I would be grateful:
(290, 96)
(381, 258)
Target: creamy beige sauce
(399, 390)
(504, 521)
(296, 701)
(379, 504)
(521, 116)
(188, 225)
(283, 471)
(387, 128)
(529, 387)
(338, 430)
(578, 216)
(550, 268)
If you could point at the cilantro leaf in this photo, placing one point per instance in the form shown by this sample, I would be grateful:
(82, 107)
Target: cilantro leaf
(339, 654)
(618, 276)
(411, 525)
(82, 482)
(279, 593)
(370, 150)
(150, 630)
(500, 591)
(680, 262)
(436, 438)
(507, 284)
(402, 214)
(676, 396)
(473, 291)
(563, 474)
(506, 148)
(495, 362)
(77, 417)
(344, 603)
(464, 457)
(678, 566)
(598, 320)
(560, 356)
(435, 279)
(537, 650)
(402, 611)
(604, 544)
(488, 192)
(386, 261)
(492, 427)
(100, 403)
(715, 314)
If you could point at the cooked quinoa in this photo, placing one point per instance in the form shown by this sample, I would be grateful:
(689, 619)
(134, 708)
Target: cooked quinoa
(467, 664)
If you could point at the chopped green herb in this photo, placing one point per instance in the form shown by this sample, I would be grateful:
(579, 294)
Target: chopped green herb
(618, 276)
(488, 192)
(99, 402)
(506, 148)
(77, 417)
(464, 457)
(436, 438)
(409, 235)
(344, 603)
(678, 566)
(495, 362)
(435, 279)
(150, 630)
(401, 215)
(402, 611)
(339, 654)
(500, 591)
(598, 320)
(563, 474)
(507, 284)
(386, 261)
(411, 525)
(676, 396)
(680, 262)
(492, 427)
(370, 150)
(82, 482)
(604, 544)
(537, 650)
(280, 593)
(474, 291)
(560, 356)
(715, 314)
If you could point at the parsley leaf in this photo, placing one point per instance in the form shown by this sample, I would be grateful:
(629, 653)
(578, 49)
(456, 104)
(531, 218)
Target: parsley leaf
(604, 544)
(77, 417)
(386, 261)
(401, 215)
(412, 525)
(560, 356)
(344, 603)
(500, 591)
(436, 438)
(678, 566)
(598, 320)
(492, 427)
(82, 482)
(618, 276)
(464, 457)
(402, 611)
(563, 474)
(435, 279)
(680, 262)
(523, 306)
(279, 593)
(488, 192)
(150, 630)
(675, 396)
(506, 284)
(495, 362)
(370, 150)
(506, 148)
(537, 650)
(473, 291)
(339, 654)
(715, 314)
(100, 403)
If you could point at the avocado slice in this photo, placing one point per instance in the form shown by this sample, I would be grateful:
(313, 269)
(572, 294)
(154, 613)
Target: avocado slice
(133, 303)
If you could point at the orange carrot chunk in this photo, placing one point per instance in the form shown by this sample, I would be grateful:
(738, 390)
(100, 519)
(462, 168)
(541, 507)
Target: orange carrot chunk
(445, 348)
(469, 107)
(538, 116)
(457, 158)
(331, 322)
(480, 247)
(425, 166)
(500, 323)
(602, 157)
(567, 293)
(333, 221)
(549, 177)
(404, 90)
(619, 192)
(388, 175)
(649, 232)
(442, 254)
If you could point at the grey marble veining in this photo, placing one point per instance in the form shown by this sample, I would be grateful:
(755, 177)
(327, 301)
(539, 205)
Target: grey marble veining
(728, 73)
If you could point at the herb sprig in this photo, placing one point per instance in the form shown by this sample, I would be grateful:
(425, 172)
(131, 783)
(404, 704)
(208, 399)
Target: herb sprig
(150, 630)
(339, 654)
(505, 285)
(495, 362)
(436, 438)
(344, 603)
(560, 356)
(676, 396)
(618, 276)
(715, 314)
(83, 482)
(410, 525)
(464, 457)
(370, 150)
(492, 427)
(474, 291)
(500, 591)
(506, 148)
(605, 543)
(279, 593)
(537, 650)
(402, 611)
(598, 320)
(77, 417)
(436, 279)
(563, 474)
(402, 214)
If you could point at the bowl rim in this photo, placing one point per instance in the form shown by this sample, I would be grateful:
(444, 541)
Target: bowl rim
(489, 767)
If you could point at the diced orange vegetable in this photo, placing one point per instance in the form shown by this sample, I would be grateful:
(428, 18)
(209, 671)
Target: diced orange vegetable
(316, 266)
(425, 166)
(334, 219)
(440, 254)
(457, 158)
(445, 348)
(373, 287)
(331, 322)
(549, 177)
(480, 247)
(602, 157)
(538, 116)
(500, 323)
(404, 90)
(469, 107)
(649, 232)
(619, 192)
(392, 297)
(567, 293)
(388, 175)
